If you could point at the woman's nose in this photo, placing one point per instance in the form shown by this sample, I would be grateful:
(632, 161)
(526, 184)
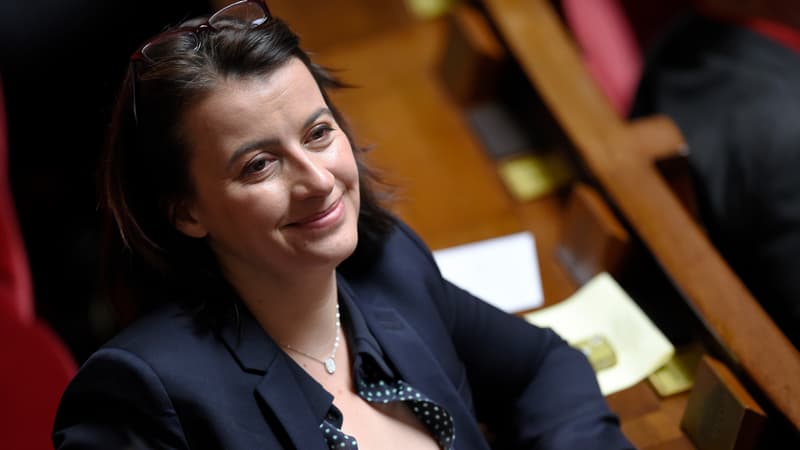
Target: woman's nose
(311, 176)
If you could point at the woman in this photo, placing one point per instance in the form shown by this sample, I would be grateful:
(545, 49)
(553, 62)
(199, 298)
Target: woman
(294, 311)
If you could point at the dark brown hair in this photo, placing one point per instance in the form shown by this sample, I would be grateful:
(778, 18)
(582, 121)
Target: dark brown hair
(144, 171)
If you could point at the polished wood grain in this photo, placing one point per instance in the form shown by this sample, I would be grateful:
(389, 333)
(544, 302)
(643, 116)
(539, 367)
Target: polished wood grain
(593, 239)
(473, 59)
(325, 24)
(537, 38)
(736, 419)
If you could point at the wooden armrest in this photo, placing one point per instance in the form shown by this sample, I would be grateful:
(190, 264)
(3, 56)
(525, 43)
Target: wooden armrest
(539, 42)
(658, 140)
(549, 57)
(657, 137)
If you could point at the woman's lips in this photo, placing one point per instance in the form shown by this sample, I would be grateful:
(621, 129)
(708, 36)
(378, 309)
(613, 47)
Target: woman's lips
(329, 216)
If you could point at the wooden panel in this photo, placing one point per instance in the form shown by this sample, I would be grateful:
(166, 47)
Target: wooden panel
(653, 429)
(539, 42)
(634, 402)
(649, 421)
(544, 217)
(721, 414)
(324, 24)
(593, 240)
(473, 57)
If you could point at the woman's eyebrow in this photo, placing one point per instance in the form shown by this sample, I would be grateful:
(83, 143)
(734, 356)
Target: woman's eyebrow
(315, 116)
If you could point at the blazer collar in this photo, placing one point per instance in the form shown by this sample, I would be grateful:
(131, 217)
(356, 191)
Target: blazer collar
(404, 348)
(279, 389)
(250, 345)
(360, 337)
(282, 384)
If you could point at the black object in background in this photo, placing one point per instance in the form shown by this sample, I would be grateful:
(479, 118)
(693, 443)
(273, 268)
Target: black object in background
(61, 62)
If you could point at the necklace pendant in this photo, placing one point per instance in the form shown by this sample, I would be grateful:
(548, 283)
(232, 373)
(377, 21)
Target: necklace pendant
(330, 366)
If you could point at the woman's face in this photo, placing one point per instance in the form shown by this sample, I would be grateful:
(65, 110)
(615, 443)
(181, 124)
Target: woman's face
(275, 179)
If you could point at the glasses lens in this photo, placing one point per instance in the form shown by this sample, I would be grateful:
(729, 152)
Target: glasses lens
(241, 14)
(171, 43)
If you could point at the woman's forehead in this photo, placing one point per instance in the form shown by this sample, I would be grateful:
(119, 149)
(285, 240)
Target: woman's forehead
(291, 87)
(254, 108)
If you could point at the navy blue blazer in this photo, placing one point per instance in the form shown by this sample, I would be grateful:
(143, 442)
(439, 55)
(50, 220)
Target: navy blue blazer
(164, 383)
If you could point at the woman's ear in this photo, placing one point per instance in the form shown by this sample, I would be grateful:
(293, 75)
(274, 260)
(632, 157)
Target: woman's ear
(184, 218)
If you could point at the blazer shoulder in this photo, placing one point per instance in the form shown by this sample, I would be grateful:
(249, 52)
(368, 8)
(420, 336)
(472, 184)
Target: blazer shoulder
(117, 400)
(404, 242)
(161, 334)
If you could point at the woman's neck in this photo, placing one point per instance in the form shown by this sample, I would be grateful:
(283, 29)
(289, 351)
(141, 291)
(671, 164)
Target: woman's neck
(298, 311)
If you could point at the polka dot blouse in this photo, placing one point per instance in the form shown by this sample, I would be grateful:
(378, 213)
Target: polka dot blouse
(376, 387)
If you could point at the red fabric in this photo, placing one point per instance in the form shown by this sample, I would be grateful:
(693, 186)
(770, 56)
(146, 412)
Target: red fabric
(16, 289)
(36, 369)
(779, 32)
(772, 28)
(610, 49)
(612, 34)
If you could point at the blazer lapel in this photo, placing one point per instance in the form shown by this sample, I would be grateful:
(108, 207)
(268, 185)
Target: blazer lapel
(279, 388)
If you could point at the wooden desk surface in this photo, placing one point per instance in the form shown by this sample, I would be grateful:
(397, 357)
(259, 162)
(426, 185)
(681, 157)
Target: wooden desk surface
(448, 190)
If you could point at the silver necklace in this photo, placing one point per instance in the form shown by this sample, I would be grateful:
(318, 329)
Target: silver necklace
(330, 362)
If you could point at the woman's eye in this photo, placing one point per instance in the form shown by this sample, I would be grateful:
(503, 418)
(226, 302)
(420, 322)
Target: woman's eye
(256, 166)
(319, 133)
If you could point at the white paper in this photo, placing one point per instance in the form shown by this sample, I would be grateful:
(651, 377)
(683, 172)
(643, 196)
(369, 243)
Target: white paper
(503, 271)
(602, 307)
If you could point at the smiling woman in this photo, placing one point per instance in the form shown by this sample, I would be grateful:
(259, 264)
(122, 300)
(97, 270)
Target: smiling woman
(275, 179)
(286, 299)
